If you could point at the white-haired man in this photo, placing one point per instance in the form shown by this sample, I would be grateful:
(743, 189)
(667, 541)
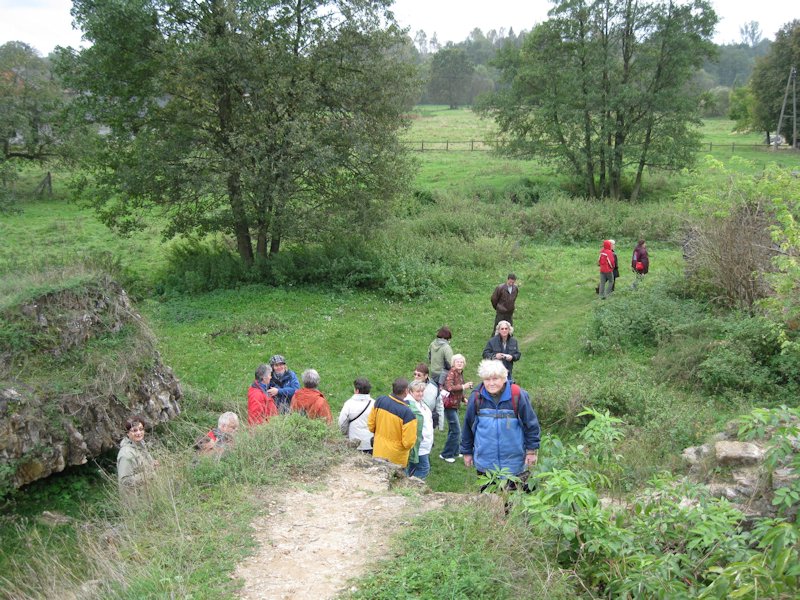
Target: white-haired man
(501, 429)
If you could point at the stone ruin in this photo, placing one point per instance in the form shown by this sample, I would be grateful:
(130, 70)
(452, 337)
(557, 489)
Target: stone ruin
(735, 470)
(46, 427)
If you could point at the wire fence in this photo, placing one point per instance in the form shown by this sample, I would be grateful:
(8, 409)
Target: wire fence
(486, 145)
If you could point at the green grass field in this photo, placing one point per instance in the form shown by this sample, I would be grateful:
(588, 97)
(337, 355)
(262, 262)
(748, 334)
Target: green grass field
(214, 341)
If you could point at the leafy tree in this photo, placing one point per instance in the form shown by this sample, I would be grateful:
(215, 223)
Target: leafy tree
(741, 108)
(272, 121)
(30, 100)
(770, 74)
(602, 88)
(451, 75)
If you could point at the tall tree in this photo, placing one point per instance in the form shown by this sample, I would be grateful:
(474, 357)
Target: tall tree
(271, 120)
(603, 88)
(751, 33)
(770, 75)
(30, 102)
(451, 75)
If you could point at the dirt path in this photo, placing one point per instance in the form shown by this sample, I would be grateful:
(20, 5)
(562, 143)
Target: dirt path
(314, 538)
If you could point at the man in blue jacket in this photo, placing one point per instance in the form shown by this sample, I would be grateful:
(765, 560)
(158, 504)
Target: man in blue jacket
(283, 384)
(501, 429)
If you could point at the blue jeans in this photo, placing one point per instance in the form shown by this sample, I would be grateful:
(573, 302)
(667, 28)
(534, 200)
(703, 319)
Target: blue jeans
(420, 469)
(453, 433)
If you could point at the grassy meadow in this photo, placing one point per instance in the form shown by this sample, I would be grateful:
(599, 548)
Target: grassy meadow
(472, 234)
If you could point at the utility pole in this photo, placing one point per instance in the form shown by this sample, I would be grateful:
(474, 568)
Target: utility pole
(794, 108)
(789, 82)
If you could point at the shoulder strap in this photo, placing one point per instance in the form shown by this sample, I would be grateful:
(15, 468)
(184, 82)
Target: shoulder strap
(359, 414)
(515, 393)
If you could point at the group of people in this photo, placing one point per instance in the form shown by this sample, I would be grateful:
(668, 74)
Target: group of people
(276, 390)
(609, 266)
(500, 429)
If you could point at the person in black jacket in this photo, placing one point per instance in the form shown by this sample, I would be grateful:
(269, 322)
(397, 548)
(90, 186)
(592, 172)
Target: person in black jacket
(503, 346)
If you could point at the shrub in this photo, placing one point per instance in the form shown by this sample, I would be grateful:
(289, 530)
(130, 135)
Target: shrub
(648, 316)
(343, 263)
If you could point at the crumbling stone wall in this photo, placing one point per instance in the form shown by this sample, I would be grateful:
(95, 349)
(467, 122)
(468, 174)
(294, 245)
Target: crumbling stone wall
(45, 428)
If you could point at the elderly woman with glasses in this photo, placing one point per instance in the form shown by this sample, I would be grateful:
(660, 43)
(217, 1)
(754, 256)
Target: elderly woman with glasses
(134, 463)
(503, 346)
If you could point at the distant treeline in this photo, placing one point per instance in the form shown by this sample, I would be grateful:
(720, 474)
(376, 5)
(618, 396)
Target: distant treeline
(457, 73)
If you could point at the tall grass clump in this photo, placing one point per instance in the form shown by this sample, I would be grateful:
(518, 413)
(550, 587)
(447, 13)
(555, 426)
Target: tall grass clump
(568, 219)
(183, 534)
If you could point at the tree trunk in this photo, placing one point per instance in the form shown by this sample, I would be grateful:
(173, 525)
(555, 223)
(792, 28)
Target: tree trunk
(240, 225)
(637, 184)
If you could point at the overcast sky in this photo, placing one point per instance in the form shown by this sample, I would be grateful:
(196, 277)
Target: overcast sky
(45, 24)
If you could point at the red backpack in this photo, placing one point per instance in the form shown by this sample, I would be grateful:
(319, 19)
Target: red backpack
(515, 393)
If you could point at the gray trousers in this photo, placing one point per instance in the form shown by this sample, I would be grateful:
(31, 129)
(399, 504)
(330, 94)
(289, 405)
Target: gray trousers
(606, 277)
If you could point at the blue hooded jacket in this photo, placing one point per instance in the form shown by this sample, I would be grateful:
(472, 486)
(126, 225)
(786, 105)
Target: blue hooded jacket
(495, 436)
(287, 385)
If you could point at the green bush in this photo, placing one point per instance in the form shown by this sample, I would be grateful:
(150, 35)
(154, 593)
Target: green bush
(732, 366)
(344, 263)
(647, 316)
(195, 266)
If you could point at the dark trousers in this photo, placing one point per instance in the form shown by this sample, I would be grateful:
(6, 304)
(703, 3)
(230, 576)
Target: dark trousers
(453, 433)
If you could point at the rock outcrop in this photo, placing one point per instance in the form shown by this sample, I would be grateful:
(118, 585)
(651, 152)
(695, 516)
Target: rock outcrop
(735, 470)
(74, 363)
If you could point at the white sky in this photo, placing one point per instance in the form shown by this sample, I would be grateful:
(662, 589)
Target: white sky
(45, 24)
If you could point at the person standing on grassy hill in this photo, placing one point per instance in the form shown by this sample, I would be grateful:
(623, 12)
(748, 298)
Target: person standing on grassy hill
(504, 299)
(394, 425)
(431, 398)
(440, 355)
(606, 262)
(419, 463)
(503, 346)
(456, 386)
(260, 405)
(640, 262)
(309, 400)
(283, 384)
(354, 417)
(501, 429)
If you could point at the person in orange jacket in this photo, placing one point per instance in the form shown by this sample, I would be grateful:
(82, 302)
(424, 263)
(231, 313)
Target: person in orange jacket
(309, 400)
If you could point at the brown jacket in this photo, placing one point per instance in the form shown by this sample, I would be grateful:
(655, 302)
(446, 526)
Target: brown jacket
(502, 300)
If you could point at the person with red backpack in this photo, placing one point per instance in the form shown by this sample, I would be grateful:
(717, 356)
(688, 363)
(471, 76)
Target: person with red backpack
(501, 429)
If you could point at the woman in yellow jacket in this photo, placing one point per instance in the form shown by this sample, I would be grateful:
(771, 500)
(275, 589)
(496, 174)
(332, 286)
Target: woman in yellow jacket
(394, 425)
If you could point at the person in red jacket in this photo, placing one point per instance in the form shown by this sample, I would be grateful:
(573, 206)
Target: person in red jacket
(260, 405)
(310, 400)
(607, 264)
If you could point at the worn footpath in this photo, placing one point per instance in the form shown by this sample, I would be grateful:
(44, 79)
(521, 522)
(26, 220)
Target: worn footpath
(314, 538)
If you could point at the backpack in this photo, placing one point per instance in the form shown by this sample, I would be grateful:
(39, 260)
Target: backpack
(515, 393)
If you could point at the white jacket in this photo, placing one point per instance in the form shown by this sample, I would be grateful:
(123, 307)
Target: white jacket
(353, 419)
(427, 426)
(433, 400)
